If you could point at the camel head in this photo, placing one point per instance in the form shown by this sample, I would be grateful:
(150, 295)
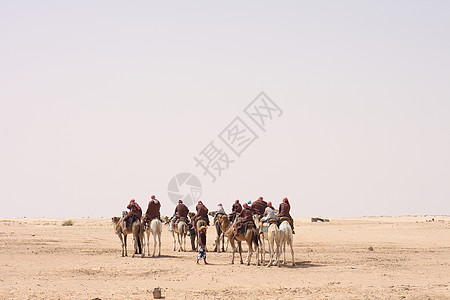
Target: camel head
(115, 220)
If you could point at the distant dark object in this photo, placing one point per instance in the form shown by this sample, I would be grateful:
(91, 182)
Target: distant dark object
(67, 223)
(157, 293)
(319, 220)
(370, 248)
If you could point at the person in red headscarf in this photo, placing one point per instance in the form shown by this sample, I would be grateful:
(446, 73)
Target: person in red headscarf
(259, 206)
(134, 214)
(181, 211)
(153, 210)
(236, 209)
(202, 211)
(284, 212)
(244, 217)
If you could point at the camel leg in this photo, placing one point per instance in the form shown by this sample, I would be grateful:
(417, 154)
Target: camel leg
(249, 252)
(223, 242)
(240, 252)
(184, 241)
(143, 244)
(263, 252)
(233, 246)
(179, 242)
(284, 252)
(154, 244)
(278, 254)
(159, 243)
(125, 244)
(292, 253)
(174, 241)
(135, 246)
(270, 242)
(121, 242)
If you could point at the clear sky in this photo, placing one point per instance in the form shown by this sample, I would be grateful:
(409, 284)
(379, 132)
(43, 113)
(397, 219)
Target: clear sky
(104, 101)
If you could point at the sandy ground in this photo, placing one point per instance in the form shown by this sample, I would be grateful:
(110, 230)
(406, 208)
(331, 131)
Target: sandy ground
(40, 259)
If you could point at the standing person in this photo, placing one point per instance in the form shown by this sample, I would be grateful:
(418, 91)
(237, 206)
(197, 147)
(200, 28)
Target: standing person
(134, 214)
(202, 245)
(284, 212)
(153, 210)
(236, 209)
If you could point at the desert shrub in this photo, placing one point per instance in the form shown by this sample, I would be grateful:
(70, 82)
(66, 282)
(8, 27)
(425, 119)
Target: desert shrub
(67, 223)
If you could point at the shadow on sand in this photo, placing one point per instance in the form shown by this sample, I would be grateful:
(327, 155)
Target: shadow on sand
(161, 256)
(302, 265)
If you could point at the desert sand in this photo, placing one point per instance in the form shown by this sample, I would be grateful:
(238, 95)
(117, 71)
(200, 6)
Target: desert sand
(41, 259)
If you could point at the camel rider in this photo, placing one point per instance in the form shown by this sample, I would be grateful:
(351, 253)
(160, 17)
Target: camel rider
(134, 214)
(153, 210)
(220, 211)
(244, 217)
(181, 211)
(202, 211)
(283, 212)
(269, 214)
(259, 206)
(236, 209)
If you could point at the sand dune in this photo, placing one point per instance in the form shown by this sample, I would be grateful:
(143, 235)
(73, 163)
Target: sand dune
(40, 259)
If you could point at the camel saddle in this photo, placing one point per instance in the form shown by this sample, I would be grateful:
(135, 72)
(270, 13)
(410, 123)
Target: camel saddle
(202, 218)
(182, 219)
(247, 225)
(282, 219)
(267, 223)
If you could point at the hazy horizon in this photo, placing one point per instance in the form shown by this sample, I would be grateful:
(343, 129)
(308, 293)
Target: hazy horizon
(102, 102)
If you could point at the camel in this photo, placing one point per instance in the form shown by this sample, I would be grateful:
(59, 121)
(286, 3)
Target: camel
(273, 237)
(191, 231)
(136, 230)
(181, 230)
(258, 223)
(286, 237)
(221, 224)
(155, 227)
(251, 237)
(200, 222)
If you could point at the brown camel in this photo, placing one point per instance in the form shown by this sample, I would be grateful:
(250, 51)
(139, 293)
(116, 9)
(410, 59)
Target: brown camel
(191, 232)
(221, 224)
(136, 230)
(200, 223)
(251, 237)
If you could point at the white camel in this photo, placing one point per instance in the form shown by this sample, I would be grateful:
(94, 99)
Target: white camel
(181, 229)
(274, 239)
(155, 228)
(286, 237)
